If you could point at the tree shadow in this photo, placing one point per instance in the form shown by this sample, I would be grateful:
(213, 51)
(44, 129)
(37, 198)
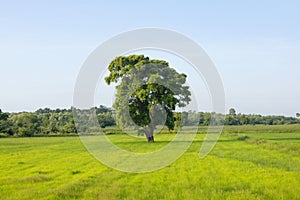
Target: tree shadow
(281, 139)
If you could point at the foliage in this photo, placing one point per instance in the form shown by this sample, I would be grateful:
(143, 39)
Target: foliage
(5, 126)
(239, 119)
(48, 122)
(60, 122)
(150, 88)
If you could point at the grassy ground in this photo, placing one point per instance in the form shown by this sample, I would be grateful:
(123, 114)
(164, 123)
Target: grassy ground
(242, 166)
(292, 128)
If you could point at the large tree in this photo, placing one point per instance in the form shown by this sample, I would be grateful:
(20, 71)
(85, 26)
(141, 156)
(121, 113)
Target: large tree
(148, 91)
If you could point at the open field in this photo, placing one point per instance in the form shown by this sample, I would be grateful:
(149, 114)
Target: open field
(244, 165)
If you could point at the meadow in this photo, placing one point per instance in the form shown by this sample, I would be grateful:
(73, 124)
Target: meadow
(250, 162)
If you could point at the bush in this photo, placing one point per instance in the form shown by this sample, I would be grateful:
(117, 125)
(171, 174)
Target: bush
(3, 135)
(243, 138)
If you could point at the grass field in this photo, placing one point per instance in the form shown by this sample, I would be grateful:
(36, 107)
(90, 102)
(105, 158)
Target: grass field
(244, 165)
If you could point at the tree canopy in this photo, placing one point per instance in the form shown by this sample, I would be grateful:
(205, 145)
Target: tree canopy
(148, 92)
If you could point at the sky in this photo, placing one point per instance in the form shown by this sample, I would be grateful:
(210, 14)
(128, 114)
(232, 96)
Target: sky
(255, 46)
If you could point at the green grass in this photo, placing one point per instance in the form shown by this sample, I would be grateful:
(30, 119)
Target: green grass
(291, 128)
(242, 165)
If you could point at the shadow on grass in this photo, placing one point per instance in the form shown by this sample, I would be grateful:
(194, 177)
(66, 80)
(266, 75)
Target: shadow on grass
(282, 138)
(168, 141)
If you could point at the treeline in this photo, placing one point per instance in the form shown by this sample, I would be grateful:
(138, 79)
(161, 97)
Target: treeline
(61, 122)
(205, 119)
(48, 122)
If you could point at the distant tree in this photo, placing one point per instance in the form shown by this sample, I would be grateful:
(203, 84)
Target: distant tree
(232, 112)
(3, 116)
(69, 127)
(206, 119)
(298, 115)
(102, 109)
(243, 119)
(43, 111)
(25, 124)
(232, 118)
(4, 123)
(106, 119)
(184, 118)
(143, 103)
(269, 120)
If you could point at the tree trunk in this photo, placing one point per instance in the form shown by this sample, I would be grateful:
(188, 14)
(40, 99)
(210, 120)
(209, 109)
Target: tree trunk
(150, 139)
(149, 132)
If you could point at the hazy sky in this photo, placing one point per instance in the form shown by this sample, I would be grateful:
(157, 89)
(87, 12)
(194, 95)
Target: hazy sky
(255, 46)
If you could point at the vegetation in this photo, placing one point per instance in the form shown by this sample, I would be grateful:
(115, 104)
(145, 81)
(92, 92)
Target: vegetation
(241, 166)
(45, 122)
(151, 89)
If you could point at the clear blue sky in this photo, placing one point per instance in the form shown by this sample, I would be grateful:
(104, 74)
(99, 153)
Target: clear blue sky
(254, 44)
